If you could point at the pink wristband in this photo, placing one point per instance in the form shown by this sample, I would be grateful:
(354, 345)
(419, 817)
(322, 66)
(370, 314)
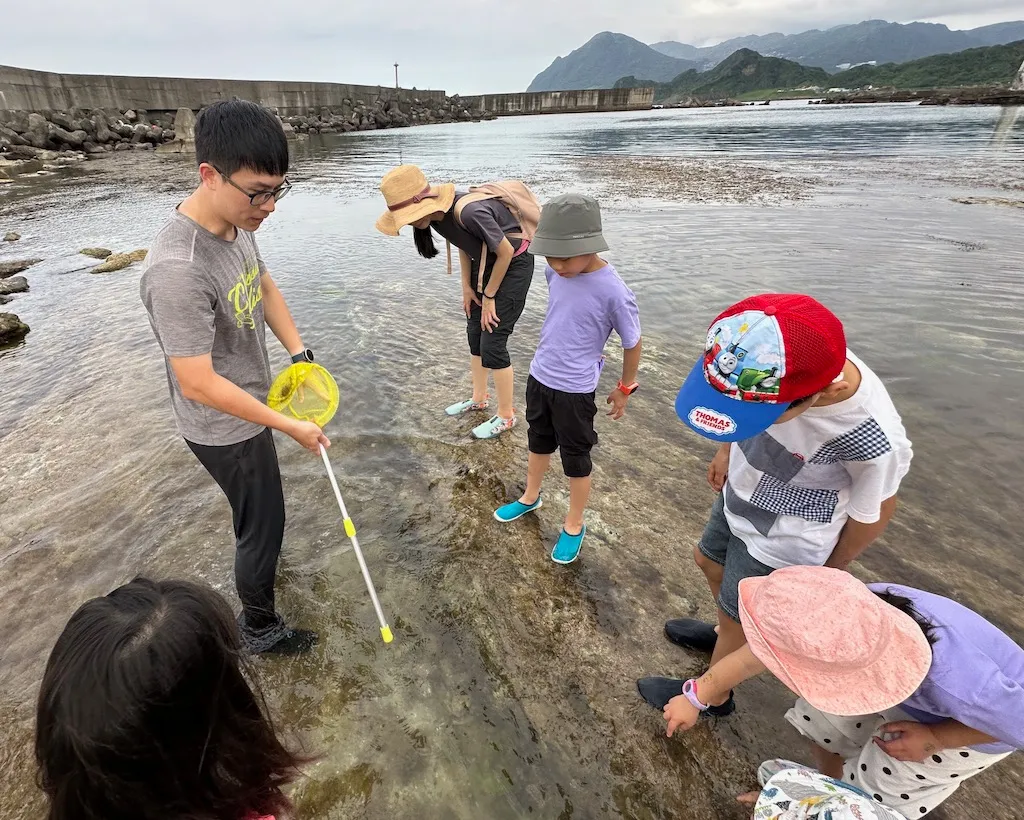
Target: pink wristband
(690, 691)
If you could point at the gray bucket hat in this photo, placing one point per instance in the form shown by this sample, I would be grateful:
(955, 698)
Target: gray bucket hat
(570, 225)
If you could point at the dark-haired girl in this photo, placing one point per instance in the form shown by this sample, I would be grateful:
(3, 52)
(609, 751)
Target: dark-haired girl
(145, 713)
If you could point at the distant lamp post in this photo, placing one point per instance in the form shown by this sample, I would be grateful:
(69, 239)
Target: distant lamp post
(396, 75)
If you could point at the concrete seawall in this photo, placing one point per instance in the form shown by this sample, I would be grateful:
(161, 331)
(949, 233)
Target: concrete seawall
(26, 90)
(564, 102)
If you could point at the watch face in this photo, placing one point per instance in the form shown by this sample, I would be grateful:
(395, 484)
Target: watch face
(309, 355)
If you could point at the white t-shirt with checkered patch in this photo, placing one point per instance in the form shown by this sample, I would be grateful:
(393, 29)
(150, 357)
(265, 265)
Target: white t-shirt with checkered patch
(792, 488)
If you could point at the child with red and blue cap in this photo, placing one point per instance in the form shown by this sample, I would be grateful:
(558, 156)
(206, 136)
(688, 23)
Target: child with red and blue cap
(811, 458)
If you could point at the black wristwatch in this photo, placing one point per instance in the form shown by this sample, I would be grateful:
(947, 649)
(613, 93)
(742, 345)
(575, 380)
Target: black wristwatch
(305, 356)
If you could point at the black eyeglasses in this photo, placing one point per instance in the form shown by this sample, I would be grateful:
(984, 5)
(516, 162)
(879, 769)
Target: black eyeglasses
(260, 197)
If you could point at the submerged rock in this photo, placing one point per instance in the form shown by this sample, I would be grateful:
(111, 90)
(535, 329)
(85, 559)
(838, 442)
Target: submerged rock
(96, 253)
(11, 268)
(16, 284)
(11, 328)
(12, 236)
(990, 200)
(11, 168)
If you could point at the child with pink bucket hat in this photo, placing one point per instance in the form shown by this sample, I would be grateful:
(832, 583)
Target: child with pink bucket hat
(904, 693)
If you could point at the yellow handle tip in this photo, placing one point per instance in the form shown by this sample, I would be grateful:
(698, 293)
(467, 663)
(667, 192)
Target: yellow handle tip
(350, 528)
(385, 633)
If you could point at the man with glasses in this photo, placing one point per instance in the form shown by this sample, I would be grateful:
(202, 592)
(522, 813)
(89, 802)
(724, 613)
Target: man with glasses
(209, 297)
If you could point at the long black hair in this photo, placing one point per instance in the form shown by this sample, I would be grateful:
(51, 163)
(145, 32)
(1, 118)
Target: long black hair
(424, 239)
(906, 606)
(145, 713)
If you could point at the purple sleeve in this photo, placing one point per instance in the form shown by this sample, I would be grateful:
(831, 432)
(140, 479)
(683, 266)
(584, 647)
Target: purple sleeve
(995, 708)
(479, 221)
(626, 321)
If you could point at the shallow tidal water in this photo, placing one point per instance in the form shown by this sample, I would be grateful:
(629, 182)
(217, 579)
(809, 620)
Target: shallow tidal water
(509, 689)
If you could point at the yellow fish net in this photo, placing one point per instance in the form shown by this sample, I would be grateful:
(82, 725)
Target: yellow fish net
(307, 392)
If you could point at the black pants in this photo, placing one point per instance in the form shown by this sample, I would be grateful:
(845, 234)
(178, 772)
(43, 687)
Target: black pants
(509, 301)
(564, 422)
(250, 477)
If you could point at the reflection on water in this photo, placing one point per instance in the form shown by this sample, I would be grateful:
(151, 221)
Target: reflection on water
(1005, 127)
(508, 691)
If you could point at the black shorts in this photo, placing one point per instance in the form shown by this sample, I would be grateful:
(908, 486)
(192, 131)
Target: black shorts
(564, 422)
(509, 302)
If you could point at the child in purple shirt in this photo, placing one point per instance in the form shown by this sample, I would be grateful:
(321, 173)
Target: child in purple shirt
(587, 301)
(905, 694)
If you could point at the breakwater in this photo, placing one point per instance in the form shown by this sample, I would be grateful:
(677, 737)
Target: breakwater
(27, 90)
(981, 95)
(24, 89)
(564, 102)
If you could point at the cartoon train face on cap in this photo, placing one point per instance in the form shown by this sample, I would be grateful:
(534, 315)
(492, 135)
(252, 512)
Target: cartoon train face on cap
(744, 357)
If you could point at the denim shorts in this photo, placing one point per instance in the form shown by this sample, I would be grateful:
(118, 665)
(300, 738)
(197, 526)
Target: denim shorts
(718, 544)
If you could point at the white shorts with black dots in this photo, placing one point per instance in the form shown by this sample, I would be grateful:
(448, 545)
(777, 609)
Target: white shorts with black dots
(913, 789)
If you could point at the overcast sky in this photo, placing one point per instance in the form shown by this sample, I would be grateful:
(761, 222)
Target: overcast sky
(465, 46)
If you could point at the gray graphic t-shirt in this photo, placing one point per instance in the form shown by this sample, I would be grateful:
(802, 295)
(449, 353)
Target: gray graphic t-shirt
(203, 295)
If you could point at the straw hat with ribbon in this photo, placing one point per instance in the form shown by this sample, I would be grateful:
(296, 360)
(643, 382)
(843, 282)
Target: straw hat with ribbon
(410, 198)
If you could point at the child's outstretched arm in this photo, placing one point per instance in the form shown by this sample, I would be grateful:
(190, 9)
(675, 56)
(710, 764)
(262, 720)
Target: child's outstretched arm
(630, 368)
(714, 684)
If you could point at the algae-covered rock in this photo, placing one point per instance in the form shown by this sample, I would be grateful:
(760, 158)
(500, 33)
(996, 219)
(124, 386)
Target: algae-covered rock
(96, 253)
(114, 262)
(11, 328)
(120, 261)
(12, 236)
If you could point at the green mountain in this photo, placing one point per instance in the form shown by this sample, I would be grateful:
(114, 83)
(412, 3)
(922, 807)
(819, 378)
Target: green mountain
(994, 65)
(999, 34)
(681, 51)
(604, 59)
(870, 41)
(609, 56)
(741, 73)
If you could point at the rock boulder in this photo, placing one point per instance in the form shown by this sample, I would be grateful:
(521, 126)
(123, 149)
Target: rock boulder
(11, 328)
(16, 284)
(103, 132)
(12, 136)
(38, 133)
(119, 261)
(62, 120)
(11, 268)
